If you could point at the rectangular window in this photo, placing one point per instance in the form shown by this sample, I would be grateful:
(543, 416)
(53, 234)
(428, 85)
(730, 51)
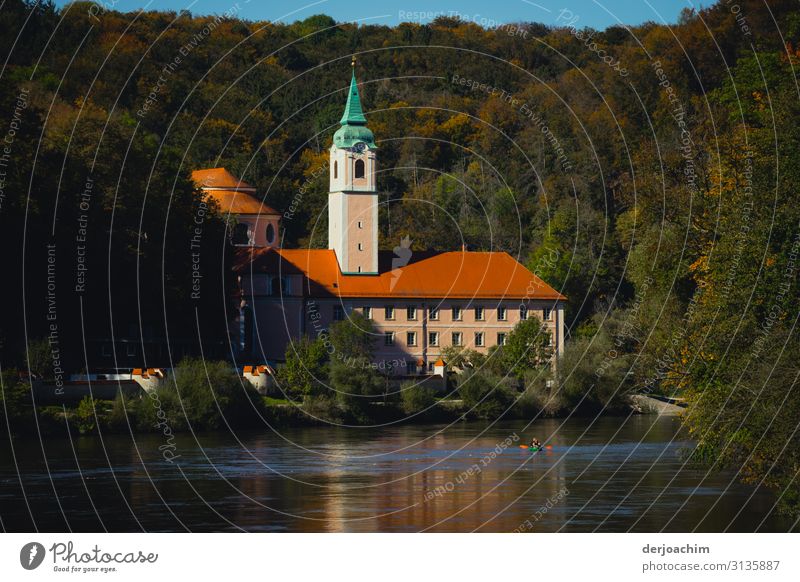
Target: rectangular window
(479, 314)
(433, 338)
(338, 313)
(501, 314)
(433, 313)
(431, 366)
(388, 338)
(479, 339)
(547, 313)
(456, 338)
(456, 314)
(411, 338)
(523, 312)
(501, 339)
(131, 349)
(367, 311)
(388, 312)
(411, 313)
(411, 367)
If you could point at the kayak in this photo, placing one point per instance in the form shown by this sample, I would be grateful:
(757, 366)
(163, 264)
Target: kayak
(532, 449)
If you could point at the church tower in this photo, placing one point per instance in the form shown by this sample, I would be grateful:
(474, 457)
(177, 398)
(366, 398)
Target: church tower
(353, 196)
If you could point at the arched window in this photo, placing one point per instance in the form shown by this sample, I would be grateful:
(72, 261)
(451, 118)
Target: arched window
(335, 169)
(240, 234)
(359, 169)
(270, 233)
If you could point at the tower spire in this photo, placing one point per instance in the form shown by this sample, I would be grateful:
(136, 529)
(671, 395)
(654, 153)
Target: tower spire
(353, 114)
(354, 125)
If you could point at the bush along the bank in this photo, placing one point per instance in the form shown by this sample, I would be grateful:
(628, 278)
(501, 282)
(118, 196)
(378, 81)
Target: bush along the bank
(199, 395)
(486, 395)
(416, 398)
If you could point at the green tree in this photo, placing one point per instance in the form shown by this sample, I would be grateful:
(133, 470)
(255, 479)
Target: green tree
(354, 379)
(305, 372)
(528, 347)
(352, 337)
(462, 358)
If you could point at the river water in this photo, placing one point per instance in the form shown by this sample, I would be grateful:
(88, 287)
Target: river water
(608, 474)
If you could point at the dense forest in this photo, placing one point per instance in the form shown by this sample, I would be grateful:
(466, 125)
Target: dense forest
(649, 173)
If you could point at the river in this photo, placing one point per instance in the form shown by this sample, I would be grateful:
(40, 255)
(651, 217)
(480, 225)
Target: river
(607, 474)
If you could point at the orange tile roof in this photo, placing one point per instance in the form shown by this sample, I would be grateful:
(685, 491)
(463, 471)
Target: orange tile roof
(439, 362)
(219, 178)
(231, 193)
(434, 275)
(233, 202)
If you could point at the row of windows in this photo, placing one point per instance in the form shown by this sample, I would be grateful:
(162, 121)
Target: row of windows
(456, 338)
(457, 313)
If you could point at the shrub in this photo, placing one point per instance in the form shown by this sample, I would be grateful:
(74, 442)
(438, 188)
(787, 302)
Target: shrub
(416, 398)
(539, 398)
(203, 395)
(592, 376)
(85, 417)
(16, 407)
(357, 385)
(485, 395)
(323, 408)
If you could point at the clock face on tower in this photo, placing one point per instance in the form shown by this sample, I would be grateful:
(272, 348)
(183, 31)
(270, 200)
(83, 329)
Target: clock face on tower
(360, 147)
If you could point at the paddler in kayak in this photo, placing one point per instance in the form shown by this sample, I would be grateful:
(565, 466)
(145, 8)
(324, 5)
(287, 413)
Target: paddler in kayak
(535, 444)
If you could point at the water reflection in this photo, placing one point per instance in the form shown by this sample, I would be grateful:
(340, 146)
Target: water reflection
(610, 475)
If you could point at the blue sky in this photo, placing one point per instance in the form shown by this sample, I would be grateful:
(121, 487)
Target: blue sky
(593, 13)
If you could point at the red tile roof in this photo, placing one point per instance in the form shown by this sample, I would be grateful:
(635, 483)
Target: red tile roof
(231, 193)
(233, 202)
(219, 178)
(435, 275)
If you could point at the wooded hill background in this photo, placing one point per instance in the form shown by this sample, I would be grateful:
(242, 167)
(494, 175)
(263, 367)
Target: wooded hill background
(670, 221)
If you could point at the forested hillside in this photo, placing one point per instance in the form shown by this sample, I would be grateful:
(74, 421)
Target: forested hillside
(651, 174)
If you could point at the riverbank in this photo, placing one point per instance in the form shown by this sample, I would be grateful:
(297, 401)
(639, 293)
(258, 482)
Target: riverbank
(147, 414)
(210, 396)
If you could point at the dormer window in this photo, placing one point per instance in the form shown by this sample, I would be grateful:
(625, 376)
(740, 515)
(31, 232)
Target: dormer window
(358, 171)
